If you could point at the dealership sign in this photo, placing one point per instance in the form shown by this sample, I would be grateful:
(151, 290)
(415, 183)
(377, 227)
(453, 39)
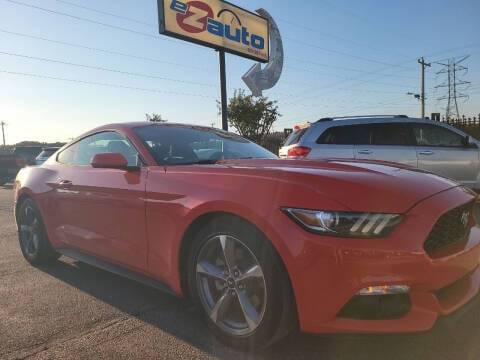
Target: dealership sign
(217, 24)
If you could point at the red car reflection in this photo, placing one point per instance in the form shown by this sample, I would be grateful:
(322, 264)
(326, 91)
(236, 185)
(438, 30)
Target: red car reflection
(261, 245)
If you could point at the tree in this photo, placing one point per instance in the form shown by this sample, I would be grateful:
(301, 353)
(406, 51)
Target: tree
(155, 118)
(252, 117)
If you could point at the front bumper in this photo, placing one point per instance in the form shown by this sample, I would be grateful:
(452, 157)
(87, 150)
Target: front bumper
(327, 273)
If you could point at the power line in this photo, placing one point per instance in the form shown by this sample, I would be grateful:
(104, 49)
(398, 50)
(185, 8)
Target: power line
(106, 84)
(104, 12)
(94, 21)
(303, 43)
(175, 41)
(105, 69)
(106, 51)
(363, 45)
(336, 37)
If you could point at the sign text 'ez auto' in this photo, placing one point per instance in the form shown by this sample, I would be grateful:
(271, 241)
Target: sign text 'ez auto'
(216, 24)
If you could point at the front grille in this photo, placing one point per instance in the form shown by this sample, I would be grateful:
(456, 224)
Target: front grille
(452, 227)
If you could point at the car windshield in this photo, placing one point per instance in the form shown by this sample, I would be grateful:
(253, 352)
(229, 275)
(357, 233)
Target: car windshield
(182, 145)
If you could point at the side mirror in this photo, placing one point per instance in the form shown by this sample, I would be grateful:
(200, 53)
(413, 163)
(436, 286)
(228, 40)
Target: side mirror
(111, 161)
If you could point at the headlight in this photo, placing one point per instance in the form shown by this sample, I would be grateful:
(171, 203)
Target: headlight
(345, 224)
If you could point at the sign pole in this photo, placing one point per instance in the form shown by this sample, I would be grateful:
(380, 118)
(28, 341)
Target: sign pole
(223, 87)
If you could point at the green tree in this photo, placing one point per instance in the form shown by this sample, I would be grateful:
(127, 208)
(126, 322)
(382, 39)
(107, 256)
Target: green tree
(155, 118)
(252, 117)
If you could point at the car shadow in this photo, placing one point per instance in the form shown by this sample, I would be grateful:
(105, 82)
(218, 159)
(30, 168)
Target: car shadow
(448, 340)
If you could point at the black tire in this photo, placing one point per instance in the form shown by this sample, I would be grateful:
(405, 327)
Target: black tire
(3, 181)
(32, 236)
(279, 315)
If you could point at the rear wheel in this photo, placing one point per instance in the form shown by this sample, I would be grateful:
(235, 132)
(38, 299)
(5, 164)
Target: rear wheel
(32, 236)
(238, 281)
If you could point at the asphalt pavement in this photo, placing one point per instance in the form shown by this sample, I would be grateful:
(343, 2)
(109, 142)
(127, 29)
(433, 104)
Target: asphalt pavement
(70, 310)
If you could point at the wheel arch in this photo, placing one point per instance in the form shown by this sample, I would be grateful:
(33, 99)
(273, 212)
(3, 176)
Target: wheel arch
(204, 219)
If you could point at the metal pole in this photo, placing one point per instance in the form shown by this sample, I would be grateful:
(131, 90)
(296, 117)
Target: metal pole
(3, 133)
(422, 63)
(223, 87)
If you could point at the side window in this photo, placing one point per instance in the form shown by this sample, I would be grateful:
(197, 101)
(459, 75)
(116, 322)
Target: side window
(82, 152)
(432, 135)
(338, 135)
(391, 134)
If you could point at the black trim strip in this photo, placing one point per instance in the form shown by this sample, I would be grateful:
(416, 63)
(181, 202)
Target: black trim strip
(118, 270)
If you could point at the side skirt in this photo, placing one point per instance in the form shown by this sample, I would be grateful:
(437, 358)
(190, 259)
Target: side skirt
(118, 270)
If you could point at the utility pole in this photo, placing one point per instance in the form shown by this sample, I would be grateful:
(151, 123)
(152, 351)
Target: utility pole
(3, 133)
(423, 64)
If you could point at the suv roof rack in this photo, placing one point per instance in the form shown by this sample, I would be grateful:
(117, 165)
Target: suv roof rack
(363, 117)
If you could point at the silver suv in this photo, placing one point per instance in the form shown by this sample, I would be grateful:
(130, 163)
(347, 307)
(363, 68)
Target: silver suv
(425, 144)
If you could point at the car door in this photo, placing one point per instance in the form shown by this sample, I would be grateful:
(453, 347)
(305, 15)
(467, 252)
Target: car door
(335, 142)
(391, 142)
(102, 211)
(445, 152)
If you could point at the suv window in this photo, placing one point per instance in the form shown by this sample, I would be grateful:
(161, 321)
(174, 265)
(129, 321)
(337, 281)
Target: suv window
(295, 137)
(391, 134)
(432, 135)
(368, 134)
(82, 152)
(338, 135)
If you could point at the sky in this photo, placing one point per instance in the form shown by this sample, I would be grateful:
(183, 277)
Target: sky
(67, 66)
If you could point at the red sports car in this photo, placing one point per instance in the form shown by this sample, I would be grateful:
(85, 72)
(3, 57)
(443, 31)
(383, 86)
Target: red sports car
(261, 245)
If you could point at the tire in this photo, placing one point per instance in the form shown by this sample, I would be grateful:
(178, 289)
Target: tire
(3, 181)
(32, 236)
(218, 288)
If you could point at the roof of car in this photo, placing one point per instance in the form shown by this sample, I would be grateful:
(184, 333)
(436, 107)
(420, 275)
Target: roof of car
(132, 125)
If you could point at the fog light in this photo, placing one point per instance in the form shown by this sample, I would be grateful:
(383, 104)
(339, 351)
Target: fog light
(384, 290)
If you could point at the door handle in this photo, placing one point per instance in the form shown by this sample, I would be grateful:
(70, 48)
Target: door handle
(365, 152)
(65, 183)
(426, 152)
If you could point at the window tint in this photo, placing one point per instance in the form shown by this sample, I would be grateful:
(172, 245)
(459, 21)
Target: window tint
(390, 134)
(185, 145)
(367, 134)
(295, 137)
(432, 135)
(338, 135)
(82, 152)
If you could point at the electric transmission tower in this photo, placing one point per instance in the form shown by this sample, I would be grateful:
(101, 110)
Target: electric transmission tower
(454, 70)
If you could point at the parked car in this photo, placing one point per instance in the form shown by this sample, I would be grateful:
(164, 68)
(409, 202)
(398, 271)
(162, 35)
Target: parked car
(28, 153)
(11, 163)
(45, 154)
(424, 144)
(260, 245)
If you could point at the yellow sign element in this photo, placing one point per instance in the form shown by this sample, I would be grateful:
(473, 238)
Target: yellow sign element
(216, 24)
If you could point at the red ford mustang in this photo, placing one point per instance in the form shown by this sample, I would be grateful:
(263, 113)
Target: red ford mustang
(261, 245)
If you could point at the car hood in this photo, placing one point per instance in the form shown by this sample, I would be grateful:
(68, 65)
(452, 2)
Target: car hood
(356, 185)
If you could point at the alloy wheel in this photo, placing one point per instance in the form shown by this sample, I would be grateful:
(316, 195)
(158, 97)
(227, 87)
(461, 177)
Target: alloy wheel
(231, 285)
(30, 231)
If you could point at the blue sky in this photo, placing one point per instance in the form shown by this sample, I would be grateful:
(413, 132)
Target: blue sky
(343, 57)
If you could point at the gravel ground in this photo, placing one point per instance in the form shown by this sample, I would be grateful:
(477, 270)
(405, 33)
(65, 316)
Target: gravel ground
(73, 311)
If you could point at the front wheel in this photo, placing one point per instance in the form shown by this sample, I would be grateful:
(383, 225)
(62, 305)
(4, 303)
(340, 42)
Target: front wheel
(32, 235)
(238, 281)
